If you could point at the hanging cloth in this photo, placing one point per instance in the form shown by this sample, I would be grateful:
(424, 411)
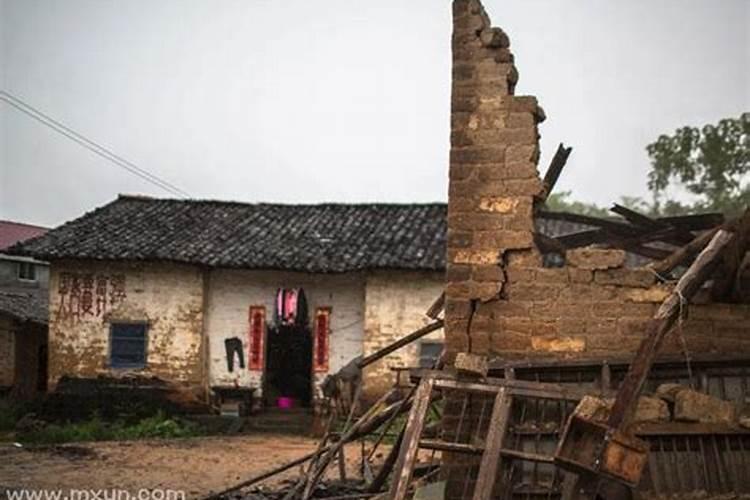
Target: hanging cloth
(291, 307)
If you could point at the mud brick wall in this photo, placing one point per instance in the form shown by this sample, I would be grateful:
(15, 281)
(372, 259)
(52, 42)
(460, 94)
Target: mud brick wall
(500, 300)
(493, 177)
(86, 297)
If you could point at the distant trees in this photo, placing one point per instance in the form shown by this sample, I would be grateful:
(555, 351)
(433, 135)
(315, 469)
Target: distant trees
(710, 163)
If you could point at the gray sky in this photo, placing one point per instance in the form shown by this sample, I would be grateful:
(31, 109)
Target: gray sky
(340, 100)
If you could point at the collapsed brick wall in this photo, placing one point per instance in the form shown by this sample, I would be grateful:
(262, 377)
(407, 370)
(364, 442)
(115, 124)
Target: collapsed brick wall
(500, 300)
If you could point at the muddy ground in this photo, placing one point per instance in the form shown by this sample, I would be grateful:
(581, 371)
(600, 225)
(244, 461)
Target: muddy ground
(197, 466)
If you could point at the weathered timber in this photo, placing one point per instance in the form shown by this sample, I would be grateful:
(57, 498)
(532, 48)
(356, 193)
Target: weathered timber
(683, 254)
(410, 445)
(491, 458)
(662, 322)
(368, 360)
(680, 236)
(437, 307)
(555, 169)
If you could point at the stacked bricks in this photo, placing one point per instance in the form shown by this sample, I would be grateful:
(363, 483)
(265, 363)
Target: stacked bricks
(493, 175)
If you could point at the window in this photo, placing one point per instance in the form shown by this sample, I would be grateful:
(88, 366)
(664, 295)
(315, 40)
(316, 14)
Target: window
(26, 271)
(429, 352)
(128, 345)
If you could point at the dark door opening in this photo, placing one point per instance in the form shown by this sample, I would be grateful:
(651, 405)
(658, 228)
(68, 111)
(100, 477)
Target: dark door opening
(288, 365)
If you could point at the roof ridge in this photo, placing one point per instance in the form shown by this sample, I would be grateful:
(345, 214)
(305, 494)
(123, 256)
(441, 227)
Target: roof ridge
(146, 198)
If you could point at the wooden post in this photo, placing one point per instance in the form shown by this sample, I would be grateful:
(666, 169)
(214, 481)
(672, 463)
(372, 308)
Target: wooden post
(661, 324)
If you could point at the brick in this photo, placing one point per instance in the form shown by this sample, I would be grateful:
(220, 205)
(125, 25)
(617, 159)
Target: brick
(599, 326)
(650, 409)
(522, 153)
(459, 239)
(471, 363)
(693, 406)
(503, 239)
(580, 275)
(457, 309)
(503, 205)
(458, 272)
(477, 154)
(551, 275)
(475, 257)
(625, 277)
(488, 273)
(533, 291)
(632, 327)
(595, 258)
(656, 293)
(494, 37)
(520, 274)
(558, 344)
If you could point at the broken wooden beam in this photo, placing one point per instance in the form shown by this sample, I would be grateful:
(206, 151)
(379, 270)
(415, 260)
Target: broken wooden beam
(437, 307)
(554, 170)
(683, 254)
(662, 323)
(408, 339)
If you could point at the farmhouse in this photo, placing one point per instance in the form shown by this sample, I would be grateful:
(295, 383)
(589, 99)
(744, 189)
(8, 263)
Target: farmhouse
(218, 295)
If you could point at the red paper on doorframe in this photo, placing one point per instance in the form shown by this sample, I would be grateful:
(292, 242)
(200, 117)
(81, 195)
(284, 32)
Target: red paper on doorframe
(321, 332)
(257, 319)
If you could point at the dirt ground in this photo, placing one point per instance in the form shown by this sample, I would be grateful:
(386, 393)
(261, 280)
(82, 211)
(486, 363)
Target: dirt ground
(197, 466)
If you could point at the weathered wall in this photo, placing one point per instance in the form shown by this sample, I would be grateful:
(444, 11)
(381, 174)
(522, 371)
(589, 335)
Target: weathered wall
(500, 300)
(395, 305)
(232, 292)
(493, 177)
(7, 351)
(86, 297)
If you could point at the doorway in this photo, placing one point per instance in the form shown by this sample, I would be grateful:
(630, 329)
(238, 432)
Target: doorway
(288, 372)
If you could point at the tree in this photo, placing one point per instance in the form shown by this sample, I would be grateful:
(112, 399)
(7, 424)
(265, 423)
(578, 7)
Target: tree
(711, 163)
(561, 202)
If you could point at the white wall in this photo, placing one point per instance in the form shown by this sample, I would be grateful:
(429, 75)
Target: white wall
(231, 292)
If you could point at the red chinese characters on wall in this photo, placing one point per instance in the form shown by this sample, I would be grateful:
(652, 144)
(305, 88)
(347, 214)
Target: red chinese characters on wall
(88, 294)
(257, 319)
(321, 333)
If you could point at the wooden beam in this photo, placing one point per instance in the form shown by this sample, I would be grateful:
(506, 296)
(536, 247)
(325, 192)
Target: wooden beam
(554, 170)
(662, 322)
(678, 236)
(683, 254)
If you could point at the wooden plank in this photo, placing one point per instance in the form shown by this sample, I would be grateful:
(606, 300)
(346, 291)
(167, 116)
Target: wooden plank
(491, 459)
(368, 360)
(545, 390)
(410, 445)
(662, 322)
(437, 445)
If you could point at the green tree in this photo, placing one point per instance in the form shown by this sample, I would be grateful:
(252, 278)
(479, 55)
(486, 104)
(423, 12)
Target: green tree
(711, 163)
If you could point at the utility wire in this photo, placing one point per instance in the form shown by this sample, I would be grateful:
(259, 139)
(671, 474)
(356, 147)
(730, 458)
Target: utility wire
(92, 146)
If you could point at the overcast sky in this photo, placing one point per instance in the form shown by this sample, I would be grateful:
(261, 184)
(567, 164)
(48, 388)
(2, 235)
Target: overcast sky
(328, 100)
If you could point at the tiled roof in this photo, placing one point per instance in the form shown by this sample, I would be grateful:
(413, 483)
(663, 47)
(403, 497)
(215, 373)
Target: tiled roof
(325, 238)
(313, 238)
(13, 232)
(25, 305)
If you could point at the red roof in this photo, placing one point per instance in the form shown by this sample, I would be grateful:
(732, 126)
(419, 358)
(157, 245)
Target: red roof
(13, 232)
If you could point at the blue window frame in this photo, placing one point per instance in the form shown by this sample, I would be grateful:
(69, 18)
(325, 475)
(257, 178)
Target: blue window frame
(127, 345)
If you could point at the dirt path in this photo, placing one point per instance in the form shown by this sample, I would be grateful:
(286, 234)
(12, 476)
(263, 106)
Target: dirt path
(196, 466)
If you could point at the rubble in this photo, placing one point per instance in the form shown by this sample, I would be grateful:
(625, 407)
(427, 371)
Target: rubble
(693, 406)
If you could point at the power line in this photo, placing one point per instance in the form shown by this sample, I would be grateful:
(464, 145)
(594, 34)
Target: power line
(92, 146)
